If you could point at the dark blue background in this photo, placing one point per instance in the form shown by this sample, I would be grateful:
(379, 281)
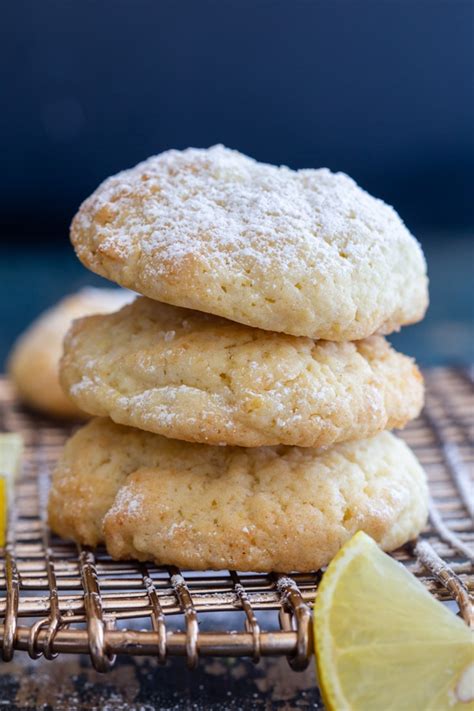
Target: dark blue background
(381, 89)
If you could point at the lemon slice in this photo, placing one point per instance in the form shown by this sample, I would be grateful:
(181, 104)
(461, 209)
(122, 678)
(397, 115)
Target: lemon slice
(11, 447)
(383, 643)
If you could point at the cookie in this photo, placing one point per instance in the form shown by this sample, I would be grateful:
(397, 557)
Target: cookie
(203, 507)
(33, 362)
(304, 252)
(202, 378)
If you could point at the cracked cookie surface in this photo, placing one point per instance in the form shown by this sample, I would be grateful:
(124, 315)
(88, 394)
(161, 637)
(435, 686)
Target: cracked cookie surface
(200, 507)
(304, 252)
(202, 378)
(34, 361)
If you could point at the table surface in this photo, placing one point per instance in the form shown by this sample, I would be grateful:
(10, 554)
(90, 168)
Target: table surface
(141, 684)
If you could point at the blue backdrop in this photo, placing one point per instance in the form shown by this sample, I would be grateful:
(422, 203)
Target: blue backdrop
(381, 89)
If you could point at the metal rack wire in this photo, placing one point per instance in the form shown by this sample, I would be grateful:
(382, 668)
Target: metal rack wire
(56, 598)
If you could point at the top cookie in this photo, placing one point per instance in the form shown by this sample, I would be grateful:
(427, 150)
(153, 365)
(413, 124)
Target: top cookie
(306, 252)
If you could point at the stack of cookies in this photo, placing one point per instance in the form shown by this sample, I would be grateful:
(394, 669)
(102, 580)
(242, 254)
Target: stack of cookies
(243, 401)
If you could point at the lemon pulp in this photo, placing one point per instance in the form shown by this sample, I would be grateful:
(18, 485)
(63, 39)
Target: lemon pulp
(383, 643)
(11, 447)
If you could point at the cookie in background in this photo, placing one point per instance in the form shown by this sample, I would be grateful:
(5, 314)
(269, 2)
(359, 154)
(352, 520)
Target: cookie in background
(34, 359)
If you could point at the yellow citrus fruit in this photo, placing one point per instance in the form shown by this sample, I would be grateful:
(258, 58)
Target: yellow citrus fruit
(11, 447)
(382, 641)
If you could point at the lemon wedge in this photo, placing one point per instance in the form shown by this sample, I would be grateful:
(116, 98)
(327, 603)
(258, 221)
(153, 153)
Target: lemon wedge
(383, 643)
(11, 447)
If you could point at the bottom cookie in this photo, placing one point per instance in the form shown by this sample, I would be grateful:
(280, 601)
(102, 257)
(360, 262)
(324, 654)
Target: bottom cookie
(203, 507)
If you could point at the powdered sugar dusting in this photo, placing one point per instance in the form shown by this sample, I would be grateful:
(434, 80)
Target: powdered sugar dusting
(264, 234)
(235, 205)
(127, 503)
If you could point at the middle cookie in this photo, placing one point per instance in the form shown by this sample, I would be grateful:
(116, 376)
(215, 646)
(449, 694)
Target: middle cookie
(201, 378)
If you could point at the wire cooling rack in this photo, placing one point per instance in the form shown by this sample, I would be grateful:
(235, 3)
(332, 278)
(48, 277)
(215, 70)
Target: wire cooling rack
(57, 598)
